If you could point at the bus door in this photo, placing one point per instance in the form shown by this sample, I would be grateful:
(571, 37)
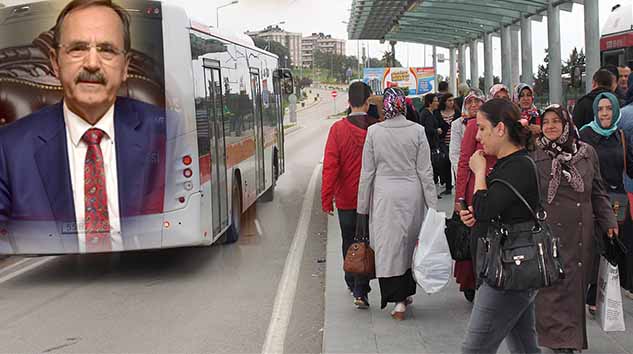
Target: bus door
(215, 110)
(278, 97)
(256, 91)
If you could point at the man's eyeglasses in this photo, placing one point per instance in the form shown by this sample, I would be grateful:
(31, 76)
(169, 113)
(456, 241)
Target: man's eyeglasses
(79, 50)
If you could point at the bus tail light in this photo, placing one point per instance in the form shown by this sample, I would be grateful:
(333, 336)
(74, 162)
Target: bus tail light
(187, 173)
(188, 186)
(187, 160)
(182, 200)
(166, 224)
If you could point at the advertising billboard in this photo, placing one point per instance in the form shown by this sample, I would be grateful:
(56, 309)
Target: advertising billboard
(415, 81)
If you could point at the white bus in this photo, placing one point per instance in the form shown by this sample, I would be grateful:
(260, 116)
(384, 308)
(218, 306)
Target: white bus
(224, 142)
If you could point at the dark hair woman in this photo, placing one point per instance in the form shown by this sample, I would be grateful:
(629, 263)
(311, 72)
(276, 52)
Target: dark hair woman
(500, 314)
(445, 115)
(576, 199)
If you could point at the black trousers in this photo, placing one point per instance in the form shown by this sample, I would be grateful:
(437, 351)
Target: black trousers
(357, 284)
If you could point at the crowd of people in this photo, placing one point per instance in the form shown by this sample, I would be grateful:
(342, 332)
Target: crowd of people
(382, 172)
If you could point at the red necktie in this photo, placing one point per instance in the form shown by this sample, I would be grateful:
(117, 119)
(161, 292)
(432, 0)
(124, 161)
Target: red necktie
(97, 223)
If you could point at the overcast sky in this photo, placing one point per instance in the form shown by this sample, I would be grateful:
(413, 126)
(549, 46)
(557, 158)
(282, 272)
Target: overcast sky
(308, 16)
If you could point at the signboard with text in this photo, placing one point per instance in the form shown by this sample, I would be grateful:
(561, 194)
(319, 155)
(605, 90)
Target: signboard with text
(415, 81)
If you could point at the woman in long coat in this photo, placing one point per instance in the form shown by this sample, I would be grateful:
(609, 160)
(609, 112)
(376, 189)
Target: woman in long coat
(572, 186)
(396, 187)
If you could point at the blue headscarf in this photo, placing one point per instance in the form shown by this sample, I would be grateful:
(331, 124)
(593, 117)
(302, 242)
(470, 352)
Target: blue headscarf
(595, 125)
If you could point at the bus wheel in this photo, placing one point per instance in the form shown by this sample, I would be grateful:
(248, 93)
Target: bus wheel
(233, 233)
(269, 195)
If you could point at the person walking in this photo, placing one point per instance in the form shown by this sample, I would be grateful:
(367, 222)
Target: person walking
(465, 183)
(626, 267)
(445, 115)
(570, 180)
(433, 130)
(396, 188)
(605, 137)
(341, 173)
(463, 90)
(501, 314)
(603, 81)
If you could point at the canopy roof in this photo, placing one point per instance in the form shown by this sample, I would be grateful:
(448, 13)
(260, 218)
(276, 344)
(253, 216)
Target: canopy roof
(444, 23)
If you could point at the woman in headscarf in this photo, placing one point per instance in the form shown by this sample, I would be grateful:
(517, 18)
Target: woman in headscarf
(396, 188)
(469, 110)
(499, 91)
(605, 137)
(524, 97)
(575, 200)
(465, 180)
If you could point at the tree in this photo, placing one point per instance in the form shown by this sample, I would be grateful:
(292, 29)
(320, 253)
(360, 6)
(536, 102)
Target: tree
(574, 66)
(541, 83)
(386, 61)
(276, 48)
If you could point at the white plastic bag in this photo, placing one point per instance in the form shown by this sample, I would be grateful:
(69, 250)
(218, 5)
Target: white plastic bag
(609, 311)
(432, 262)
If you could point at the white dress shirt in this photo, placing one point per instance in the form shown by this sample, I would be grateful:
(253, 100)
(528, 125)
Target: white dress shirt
(77, 149)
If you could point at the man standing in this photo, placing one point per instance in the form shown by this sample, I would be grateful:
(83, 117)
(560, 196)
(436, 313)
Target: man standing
(603, 81)
(342, 164)
(94, 158)
(623, 80)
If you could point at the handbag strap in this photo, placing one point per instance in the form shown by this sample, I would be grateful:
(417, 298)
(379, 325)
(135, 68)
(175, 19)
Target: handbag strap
(623, 147)
(518, 195)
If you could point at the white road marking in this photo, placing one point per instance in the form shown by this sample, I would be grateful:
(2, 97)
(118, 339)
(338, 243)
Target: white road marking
(258, 226)
(25, 269)
(284, 300)
(14, 265)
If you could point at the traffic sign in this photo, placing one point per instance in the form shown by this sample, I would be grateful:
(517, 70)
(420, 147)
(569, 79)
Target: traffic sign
(334, 93)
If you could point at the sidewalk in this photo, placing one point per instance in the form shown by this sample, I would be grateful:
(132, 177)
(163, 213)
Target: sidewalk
(434, 324)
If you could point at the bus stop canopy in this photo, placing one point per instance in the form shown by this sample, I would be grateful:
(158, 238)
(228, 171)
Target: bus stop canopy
(443, 23)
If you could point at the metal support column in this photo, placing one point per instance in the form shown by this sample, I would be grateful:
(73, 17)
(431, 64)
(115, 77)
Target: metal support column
(488, 63)
(555, 66)
(462, 63)
(474, 64)
(435, 69)
(592, 41)
(452, 84)
(506, 56)
(527, 75)
(516, 59)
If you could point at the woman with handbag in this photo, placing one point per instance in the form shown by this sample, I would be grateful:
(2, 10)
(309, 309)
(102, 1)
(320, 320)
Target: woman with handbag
(465, 180)
(572, 186)
(396, 188)
(498, 313)
(610, 144)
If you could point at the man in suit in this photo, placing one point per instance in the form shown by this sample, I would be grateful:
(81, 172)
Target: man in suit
(94, 159)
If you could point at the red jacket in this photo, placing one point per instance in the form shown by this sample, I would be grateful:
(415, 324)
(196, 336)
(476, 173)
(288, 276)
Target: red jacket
(465, 182)
(342, 163)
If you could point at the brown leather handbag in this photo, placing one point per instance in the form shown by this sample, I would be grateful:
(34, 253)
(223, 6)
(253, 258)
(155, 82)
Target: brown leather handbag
(360, 258)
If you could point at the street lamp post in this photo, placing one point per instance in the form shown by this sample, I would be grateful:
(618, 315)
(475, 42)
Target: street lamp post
(217, 12)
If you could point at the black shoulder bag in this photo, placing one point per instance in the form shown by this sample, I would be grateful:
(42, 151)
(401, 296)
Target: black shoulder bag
(524, 255)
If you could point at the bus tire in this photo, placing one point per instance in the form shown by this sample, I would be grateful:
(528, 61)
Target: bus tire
(269, 195)
(232, 234)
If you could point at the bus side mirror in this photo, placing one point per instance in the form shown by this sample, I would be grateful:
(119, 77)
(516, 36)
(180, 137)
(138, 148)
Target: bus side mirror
(287, 81)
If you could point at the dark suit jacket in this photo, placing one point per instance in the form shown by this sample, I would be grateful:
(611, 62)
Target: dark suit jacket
(35, 182)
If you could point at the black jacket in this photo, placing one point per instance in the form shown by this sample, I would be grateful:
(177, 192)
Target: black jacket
(446, 127)
(430, 123)
(583, 111)
(611, 156)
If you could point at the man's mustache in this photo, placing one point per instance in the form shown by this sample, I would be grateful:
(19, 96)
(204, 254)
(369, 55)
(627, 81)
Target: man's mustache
(95, 77)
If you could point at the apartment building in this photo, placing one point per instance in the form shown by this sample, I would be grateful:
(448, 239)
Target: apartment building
(289, 39)
(320, 42)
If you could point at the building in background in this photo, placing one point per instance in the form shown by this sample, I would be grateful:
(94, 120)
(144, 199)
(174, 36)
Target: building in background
(290, 40)
(320, 42)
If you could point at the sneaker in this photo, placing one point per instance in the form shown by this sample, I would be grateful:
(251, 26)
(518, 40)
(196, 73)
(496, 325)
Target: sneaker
(361, 302)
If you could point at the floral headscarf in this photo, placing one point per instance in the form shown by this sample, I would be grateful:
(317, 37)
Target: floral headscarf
(473, 95)
(495, 89)
(395, 103)
(531, 114)
(595, 124)
(565, 152)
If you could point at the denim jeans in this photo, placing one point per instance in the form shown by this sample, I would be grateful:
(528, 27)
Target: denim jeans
(498, 315)
(347, 219)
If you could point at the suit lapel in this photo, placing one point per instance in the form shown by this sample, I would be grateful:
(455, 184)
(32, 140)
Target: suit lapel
(130, 148)
(51, 156)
